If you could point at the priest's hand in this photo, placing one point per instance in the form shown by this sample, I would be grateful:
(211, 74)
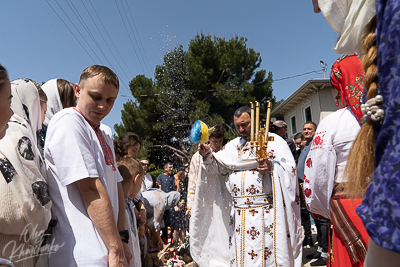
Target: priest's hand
(264, 165)
(204, 150)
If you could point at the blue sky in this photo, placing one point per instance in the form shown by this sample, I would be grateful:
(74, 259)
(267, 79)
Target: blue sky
(36, 44)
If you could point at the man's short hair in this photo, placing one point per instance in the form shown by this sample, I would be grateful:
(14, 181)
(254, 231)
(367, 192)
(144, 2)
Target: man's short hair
(239, 112)
(167, 164)
(128, 167)
(104, 73)
(280, 124)
(299, 135)
(217, 131)
(311, 122)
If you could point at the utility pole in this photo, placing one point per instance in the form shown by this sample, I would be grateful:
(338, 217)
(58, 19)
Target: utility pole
(323, 67)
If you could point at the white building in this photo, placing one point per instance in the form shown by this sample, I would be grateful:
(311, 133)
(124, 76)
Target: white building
(311, 102)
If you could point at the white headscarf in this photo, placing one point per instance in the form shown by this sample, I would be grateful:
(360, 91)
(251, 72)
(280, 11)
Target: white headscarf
(20, 161)
(54, 104)
(26, 104)
(348, 18)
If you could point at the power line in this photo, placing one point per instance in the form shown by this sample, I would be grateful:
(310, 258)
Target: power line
(87, 29)
(97, 44)
(70, 31)
(78, 16)
(294, 76)
(129, 36)
(134, 36)
(116, 49)
(101, 34)
(141, 44)
(79, 32)
(225, 90)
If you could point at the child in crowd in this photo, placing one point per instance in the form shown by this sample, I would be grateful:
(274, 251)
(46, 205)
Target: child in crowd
(132, 174)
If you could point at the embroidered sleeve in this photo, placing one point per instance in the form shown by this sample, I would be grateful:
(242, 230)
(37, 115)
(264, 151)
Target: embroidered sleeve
(319, 175)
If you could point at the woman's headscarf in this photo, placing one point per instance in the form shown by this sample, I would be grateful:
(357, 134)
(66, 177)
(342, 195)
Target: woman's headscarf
(26, 104)
(347, 76)
(54, 104)
(21, 165)
(348, 18)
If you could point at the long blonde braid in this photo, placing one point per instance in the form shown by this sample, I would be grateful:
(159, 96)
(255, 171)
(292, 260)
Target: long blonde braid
(360, 162)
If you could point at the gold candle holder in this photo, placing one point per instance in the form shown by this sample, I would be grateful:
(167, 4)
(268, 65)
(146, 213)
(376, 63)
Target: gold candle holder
(252, 123)
(257, 119)
(259, 137)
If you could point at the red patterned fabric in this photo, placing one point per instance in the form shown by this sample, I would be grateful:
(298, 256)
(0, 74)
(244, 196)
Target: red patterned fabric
(108, 155)
(347, 76)
(341, 256)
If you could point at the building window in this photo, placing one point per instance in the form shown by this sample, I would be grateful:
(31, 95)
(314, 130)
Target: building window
(307, 114)
(293, 125)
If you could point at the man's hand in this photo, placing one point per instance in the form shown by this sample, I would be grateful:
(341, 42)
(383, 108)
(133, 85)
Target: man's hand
(117, 258)
(204, 149)
(99, 208)
(188, 212)
(142, 216)
(264, 165)
(128, 254)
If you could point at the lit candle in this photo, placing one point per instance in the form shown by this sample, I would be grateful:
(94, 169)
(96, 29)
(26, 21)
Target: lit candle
(252, 124)
(257, 119)
(267, 121)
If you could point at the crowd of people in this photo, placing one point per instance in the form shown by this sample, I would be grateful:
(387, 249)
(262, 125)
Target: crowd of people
(68, 186)
(72, 195)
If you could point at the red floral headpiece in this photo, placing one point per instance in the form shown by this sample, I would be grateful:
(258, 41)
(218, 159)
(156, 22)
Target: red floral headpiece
(347, 76)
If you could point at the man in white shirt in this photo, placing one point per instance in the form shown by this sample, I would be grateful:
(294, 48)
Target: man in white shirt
(83, 178)
(148, 179)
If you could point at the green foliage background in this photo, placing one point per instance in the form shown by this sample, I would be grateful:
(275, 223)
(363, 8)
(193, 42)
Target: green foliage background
(208, 82)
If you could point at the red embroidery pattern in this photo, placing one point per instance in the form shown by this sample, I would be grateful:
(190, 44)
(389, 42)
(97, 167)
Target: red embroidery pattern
(309, 163)
(248, 202)
(235, 189)
(267, 253)
(238, 229)
(253, 212)
(253, 233)
(252, 254)
(307, 192)
(252, 190)
(317, 141)
(347, 78)
(108, 155)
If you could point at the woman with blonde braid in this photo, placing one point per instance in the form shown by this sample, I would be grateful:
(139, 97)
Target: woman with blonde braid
(374, 162)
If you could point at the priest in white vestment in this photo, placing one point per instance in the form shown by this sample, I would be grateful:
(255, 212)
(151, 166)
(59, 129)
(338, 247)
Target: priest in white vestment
(241, 217)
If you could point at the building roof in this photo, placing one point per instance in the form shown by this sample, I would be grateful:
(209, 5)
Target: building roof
(308, 88)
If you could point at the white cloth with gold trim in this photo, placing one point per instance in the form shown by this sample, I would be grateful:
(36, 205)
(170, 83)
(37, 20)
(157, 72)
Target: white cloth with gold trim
(242, 218)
